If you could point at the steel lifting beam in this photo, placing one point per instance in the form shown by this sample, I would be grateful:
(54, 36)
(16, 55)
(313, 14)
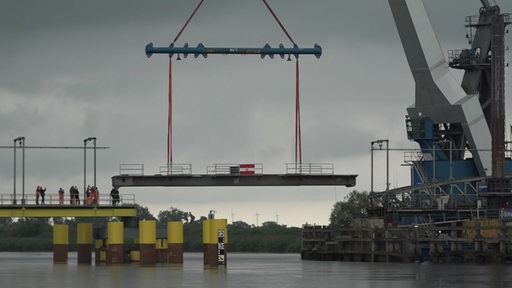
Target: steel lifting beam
(204, 51)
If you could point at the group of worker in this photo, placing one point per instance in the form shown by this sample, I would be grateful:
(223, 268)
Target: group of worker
(40, 193)
(92, 195)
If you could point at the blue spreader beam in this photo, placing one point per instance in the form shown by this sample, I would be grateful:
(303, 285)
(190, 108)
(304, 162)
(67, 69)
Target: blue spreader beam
(204, 51)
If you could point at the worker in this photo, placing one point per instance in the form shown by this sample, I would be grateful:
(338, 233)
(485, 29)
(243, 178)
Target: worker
(74, 198)
(41, 192)
(38, 193)
(96, 195)
(61, 196)
(88, 195)
(114, 194)
(71, 196)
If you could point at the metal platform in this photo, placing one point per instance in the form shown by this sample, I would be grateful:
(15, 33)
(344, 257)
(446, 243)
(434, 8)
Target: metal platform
(192, 180)
(67, 211)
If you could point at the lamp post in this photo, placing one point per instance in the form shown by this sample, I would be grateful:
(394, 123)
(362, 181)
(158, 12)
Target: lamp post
(380, 142)
(21, 140)
(93, 139)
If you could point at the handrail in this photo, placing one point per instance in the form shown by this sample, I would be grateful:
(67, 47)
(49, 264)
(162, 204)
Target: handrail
(176, 169)
(131, 169)
(53, 200)
(235, 169)
(310, 168)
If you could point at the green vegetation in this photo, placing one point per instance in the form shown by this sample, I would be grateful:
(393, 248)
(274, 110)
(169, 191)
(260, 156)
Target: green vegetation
(35, 234)
(353, 206)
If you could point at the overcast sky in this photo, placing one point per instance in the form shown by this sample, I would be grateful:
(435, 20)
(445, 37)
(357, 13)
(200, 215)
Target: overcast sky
(74, 69)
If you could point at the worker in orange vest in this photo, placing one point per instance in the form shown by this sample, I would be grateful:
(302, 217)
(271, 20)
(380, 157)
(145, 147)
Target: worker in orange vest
(89, 195)
(96, 195)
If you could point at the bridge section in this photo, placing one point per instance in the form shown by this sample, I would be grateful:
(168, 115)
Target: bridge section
(232, 174)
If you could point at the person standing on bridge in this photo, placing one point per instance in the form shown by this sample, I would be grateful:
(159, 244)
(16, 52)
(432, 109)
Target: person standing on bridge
(42, 191)
(96, 195)
(38, 193)
(88, 195)
(61, 196)
(114, 194)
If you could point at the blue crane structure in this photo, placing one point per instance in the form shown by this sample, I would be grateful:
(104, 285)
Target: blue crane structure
(460, 127)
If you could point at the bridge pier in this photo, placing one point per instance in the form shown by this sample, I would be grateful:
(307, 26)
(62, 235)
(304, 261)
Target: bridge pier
(147, 242)
(215, 240)
(60, 243)
(84, 243)
(175, 242)
(115, 241)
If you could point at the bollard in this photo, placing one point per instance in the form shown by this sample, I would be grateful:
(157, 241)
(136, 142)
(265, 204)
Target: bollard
(60, 243)
(175, 242)
(84, 243)
(115, 241)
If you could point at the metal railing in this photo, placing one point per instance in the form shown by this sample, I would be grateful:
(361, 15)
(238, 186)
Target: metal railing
(310, 168)
(235, 169)
(131, 169)
(53, 200)
(176, 169)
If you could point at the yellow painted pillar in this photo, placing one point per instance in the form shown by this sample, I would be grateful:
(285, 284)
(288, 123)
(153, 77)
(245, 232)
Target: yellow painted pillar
(175, 242)
(84, 243)
(215, 240)
(115, 242)
(147, 242)
(60, 243)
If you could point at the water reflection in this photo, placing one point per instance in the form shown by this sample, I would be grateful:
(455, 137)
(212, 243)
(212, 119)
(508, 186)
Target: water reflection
(246, 270)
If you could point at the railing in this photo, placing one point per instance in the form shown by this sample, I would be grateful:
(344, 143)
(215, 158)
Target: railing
(176, 169)
(53, 200)
(310, 168)
(235, 169)
(131, 169)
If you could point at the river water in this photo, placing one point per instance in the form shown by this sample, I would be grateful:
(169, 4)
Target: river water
(245, 270)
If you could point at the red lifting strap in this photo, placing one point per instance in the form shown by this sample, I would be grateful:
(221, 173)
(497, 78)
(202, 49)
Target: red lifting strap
(169, 120)
(278, 21)
(188, 20)
(298, 137)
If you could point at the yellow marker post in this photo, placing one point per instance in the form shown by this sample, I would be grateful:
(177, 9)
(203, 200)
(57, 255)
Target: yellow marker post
(215, 240)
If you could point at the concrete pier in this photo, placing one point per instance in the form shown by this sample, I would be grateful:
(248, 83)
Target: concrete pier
(175, 242)
(147, 242)
(115, 242)
(84, 243)
(215, 240)
(60, 243)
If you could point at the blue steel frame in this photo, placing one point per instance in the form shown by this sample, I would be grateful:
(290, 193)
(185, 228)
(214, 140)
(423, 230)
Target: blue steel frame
(204, 51)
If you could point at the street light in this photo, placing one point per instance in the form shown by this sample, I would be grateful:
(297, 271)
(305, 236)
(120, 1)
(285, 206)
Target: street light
(93, 139)
(21, 140)
(380, 142)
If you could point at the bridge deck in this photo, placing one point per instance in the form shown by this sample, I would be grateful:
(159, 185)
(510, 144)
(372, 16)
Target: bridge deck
(233, 180)
(67, 211)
